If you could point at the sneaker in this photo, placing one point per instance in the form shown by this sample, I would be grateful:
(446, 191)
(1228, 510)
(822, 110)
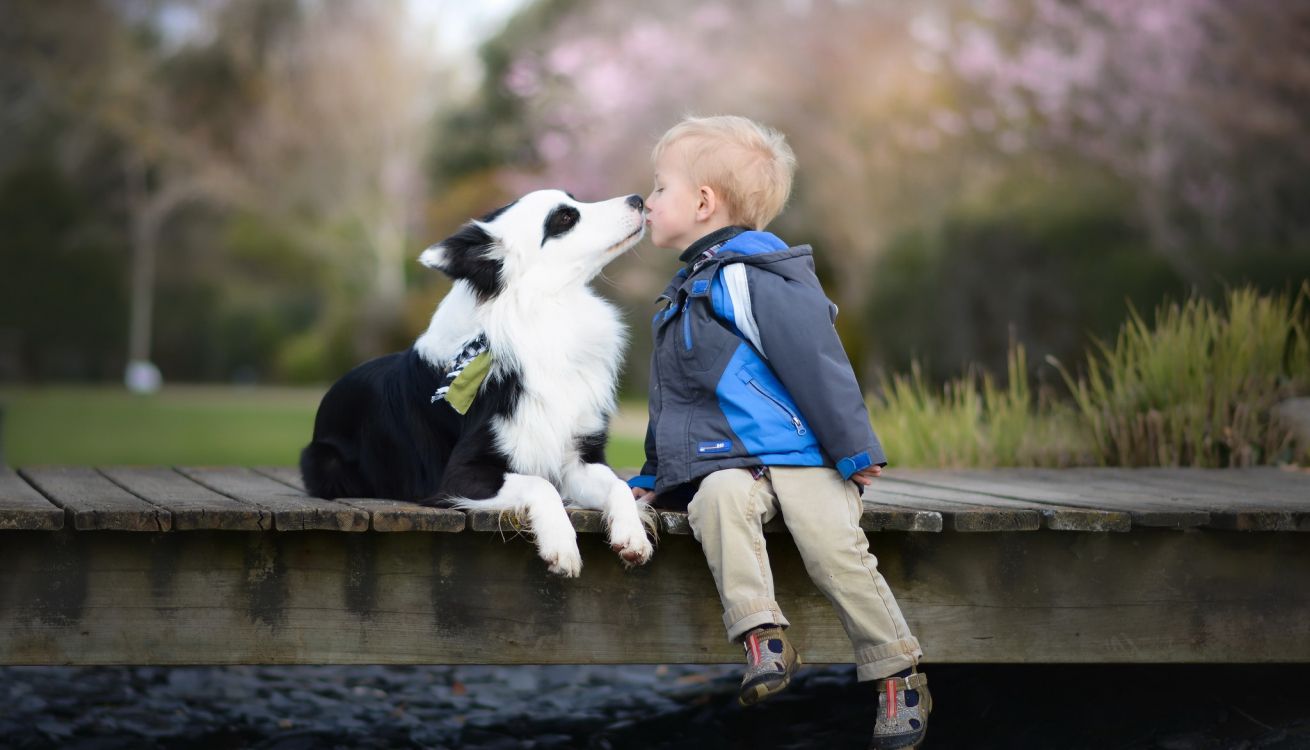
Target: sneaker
(903, 707)
(770, 663)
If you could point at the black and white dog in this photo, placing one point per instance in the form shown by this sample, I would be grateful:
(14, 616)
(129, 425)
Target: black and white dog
(504, 402)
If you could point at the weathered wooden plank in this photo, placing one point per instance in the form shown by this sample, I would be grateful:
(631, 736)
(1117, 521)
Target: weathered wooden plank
(22, 507)
(674, 522)
(976, 487)
(1252, 485)
(584, 521)
(397, 515)
(191, 505)
(292, 510)
(1277, 483)
(508, 523)
(384, 515)
(1230, 508)
(894, 516)
(1266, 486)
(222, 597)
(587, 521)
(1099, 490)
(977, 512)
(93, 502)
(958, 516)
(288, 475)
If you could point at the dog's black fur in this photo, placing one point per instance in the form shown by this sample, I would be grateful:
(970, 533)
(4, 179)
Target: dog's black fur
(378, 435)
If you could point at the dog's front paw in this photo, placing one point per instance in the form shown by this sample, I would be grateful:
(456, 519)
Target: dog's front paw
(557, 543)
(631, 542)
(564, 562)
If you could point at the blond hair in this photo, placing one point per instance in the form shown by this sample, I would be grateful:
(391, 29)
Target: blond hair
(748, 165)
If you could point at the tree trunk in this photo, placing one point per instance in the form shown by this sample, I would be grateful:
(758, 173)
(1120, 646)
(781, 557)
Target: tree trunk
(141, 375)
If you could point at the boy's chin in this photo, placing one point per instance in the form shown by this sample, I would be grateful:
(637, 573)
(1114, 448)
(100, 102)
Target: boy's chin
(662, 242)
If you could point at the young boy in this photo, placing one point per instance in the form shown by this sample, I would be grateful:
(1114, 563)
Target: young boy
(755, 409)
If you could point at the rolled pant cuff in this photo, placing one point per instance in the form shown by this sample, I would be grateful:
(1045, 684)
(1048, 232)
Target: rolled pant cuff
(752, 614)
(877, 662)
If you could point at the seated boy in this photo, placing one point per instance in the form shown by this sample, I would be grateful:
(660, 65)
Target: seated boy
(755, 409)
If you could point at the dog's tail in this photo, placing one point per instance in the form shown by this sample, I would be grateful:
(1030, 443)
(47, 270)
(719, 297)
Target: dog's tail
(328, 474)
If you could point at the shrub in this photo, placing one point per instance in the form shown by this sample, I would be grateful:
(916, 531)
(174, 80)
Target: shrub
(974, 422)
(1197, 387)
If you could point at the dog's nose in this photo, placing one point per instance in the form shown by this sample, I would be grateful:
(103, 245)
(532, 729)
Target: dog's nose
(636, 202)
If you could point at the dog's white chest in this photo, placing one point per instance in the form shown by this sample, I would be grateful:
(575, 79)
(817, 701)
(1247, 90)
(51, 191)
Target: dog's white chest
(567, 357)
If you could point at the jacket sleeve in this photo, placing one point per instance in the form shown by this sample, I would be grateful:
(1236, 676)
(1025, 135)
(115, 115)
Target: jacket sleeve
(797, 336)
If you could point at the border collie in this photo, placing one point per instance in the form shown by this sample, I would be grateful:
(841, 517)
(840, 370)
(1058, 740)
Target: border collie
(504, 402)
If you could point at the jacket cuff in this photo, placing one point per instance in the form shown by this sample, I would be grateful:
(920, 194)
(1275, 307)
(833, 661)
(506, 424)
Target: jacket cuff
(851, 464)
(644, 481)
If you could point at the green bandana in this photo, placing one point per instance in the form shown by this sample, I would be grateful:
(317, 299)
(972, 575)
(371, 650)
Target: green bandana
(465, 385)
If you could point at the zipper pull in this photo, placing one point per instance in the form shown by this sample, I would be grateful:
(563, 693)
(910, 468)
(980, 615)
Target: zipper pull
(800, 428)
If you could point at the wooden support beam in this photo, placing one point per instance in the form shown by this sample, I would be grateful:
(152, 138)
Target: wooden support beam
(311, 597)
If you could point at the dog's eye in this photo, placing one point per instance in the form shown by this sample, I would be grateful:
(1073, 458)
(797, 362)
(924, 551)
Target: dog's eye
(560, 221)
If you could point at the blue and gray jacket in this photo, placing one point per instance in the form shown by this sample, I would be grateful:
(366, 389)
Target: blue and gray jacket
(747, 369)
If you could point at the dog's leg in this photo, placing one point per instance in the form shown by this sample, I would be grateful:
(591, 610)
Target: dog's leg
(539, 501)
(595, 486)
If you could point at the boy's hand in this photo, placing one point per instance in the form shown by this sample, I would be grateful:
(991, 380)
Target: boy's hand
(640, 493)
(864, 477)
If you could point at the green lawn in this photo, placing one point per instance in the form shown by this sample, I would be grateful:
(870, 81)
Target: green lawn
(197, 425)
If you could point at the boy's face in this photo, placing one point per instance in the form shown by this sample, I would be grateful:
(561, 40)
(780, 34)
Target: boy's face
(671, 209)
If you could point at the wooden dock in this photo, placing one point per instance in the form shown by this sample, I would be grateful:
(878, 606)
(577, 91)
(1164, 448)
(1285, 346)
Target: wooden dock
(134, 565)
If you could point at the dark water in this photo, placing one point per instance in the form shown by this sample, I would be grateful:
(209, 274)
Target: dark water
(978, 706)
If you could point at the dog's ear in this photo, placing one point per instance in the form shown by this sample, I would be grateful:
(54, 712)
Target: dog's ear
(470, 236)
(453, 254)
(467, 254)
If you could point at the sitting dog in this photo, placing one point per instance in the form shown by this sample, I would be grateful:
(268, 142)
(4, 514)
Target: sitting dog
(504, 402)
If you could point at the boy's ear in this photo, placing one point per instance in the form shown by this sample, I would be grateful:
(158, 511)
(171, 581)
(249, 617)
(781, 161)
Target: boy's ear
(468, 254)
(709, 203)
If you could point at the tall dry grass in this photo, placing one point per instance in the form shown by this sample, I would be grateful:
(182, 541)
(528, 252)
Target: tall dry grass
(972, 421)
(1198, 385)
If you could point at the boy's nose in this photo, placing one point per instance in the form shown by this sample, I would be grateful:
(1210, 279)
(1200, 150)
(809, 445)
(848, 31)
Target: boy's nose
(636, 202)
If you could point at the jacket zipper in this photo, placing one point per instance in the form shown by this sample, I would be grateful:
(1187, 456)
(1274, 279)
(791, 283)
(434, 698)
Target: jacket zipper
(795, 420)
(686, 326)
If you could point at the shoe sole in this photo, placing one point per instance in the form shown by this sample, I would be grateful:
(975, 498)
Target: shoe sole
(761, 691)
(911, 746)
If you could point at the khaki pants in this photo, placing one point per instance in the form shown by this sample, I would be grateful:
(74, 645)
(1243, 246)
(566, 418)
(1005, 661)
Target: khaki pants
(822, 512)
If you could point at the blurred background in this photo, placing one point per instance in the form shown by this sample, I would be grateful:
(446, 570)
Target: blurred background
(1057, 232)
